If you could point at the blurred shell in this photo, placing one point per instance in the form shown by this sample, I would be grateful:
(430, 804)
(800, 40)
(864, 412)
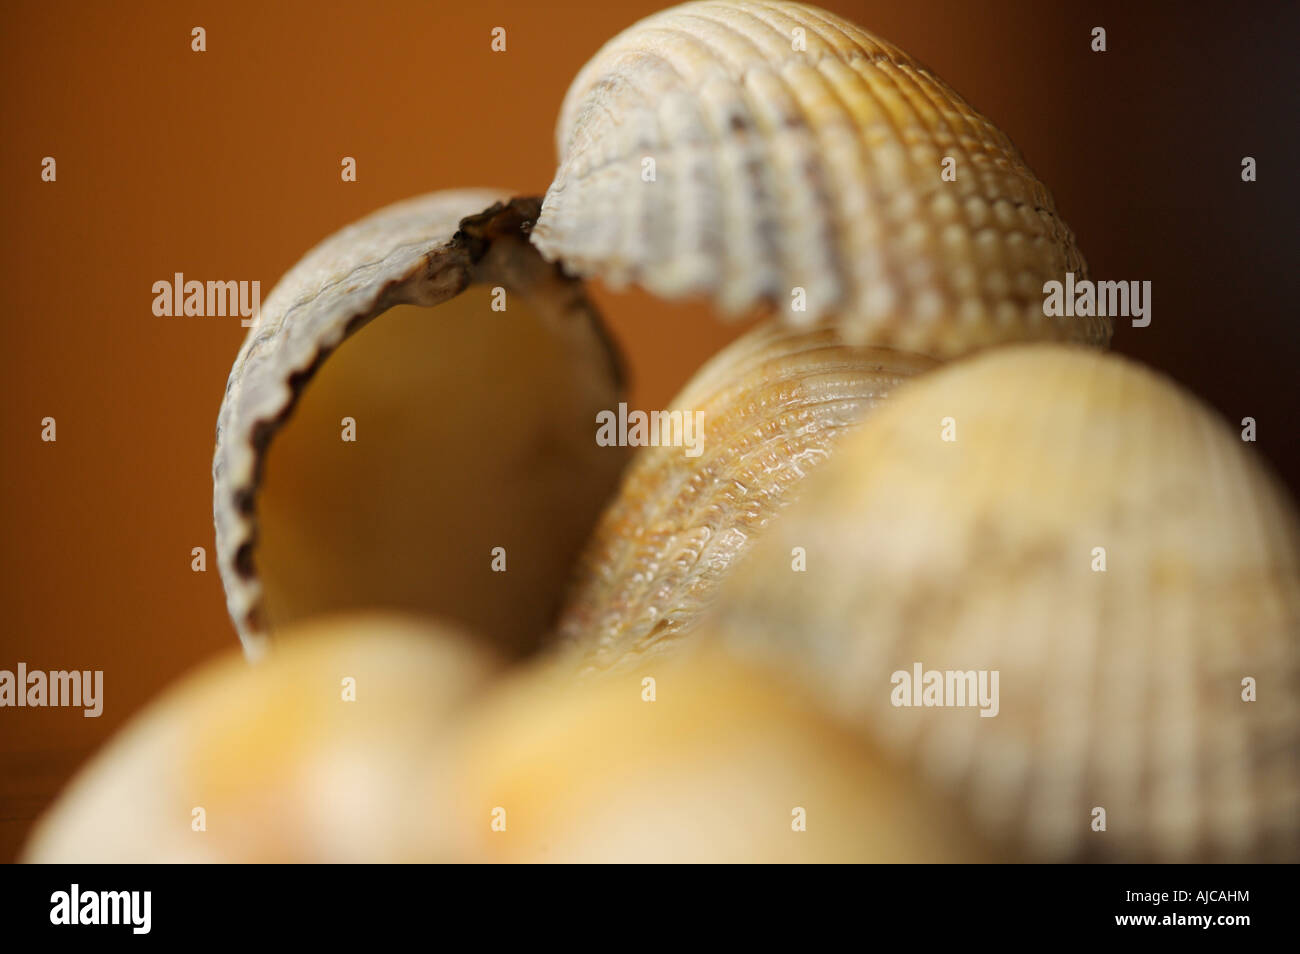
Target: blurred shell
(1120, 689)
(820, 169)
(712, 770)
(773, 404)
(416, 768)
(474, 428)
(285, 769)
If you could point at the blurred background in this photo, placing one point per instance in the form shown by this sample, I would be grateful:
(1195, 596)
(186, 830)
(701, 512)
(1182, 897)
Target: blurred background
(225, 165)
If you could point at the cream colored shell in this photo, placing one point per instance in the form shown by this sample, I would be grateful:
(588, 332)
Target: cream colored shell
(1120, 688)
(1068, 521)
(793, 150)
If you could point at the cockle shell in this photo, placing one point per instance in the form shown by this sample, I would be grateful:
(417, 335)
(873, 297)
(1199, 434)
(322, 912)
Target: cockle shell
(473, 428)
(705, 761)
(1107, 546)
(284, 767)
(772, 406)
(793, 150)
(797, 155)
(377, 738)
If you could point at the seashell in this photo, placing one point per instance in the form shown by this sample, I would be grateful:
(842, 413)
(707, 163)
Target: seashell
(723, 765)
(819, 168)
(772, 406)
(284, 769)
(473, 428)
(1091, 536)
(1103, 543)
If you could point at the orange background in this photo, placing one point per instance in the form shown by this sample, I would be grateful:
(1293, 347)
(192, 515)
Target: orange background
(225, 165)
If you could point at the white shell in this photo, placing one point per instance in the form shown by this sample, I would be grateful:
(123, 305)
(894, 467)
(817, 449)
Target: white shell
(817, 166)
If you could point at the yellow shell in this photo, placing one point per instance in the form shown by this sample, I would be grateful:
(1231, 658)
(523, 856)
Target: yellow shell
(771, 407)
(472, 439)
(1102, 542)
(743, 150)
(283, 767)
(271, 763)
(702, 762)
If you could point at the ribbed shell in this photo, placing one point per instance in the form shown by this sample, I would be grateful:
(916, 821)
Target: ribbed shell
(774, 404)
(1119, 689)
(777, 168)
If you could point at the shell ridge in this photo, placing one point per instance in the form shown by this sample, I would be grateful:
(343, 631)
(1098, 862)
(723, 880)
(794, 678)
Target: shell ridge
(812, 166)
